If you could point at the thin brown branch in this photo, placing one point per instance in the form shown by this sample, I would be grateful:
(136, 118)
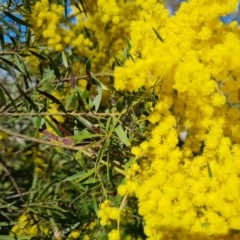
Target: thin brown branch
(12, 180)
(36, 140)
(8, 53)
(88, 114)
(5, 107)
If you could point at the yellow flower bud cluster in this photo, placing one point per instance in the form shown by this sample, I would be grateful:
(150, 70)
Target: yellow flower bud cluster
(110, 11)
(189, 191)
(46, 16)
(108, 213)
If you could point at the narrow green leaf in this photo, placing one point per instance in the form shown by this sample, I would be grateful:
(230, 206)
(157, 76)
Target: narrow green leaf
(2, 97)
(79, 138)
(5, 224)
(18, 63)
(54, 66)
(45, 189)
(98, 98)
(87, 174)
(90, 180)
(76, 176)
(40, 56)
(97, 82)
(119, 104)
(129, 46)
(129, 163)
(84, 9)
(28, 38)
(18, 20)
(38, 123)
(69, 100)
(11, 64)
(89, 64)
(9, 96)
(82, 98)
(102, 151)
(54, 99)
(2, 40)
(28, 5)
(117, 60)
(64, 58)
(78, 155)
(27, 98)
(158, 35)
(209, 171)
(122, 135)
(26, 72)
(108, 123)
(10, 26)
(84, 122)
(52, 125)
(4, 237)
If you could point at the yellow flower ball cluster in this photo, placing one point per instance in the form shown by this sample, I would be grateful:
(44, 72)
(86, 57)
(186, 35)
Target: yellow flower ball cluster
(189, 191)
(110, 11)
(46, 16)
(108, 213)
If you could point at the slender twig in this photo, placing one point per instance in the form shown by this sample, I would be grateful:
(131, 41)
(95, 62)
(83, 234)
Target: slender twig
(18, 195)
(5, 107)
(3, 214)
(36, 140)
(12, 180)
(8, 53)
(87, 114)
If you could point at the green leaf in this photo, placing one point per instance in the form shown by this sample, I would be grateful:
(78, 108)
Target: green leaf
(38, 123)
(28, 38)
(2, 97)
(18, 63)
(108, 123)
(119, 104)
(64, 58)
(11, 64)
(89, 64)
(52, 125)
(78, 155)
(90, 180)
(117, 60)
(97, 82)
(27, 98)
(122, 135)
(54, 66)
(45, 189)
(54, 99)
(82, 97)
(69, 100)
(79, 138)
(33, 187)
(158, 35)
(18, 20)
(102, 151)
(84, 122)
(4, 237)
(40, 56)
(129, 46)
(2, 40)
(98, 98)
(10, 26)
(209, 171)
(129, 163)
(75, 176)
(28, 5)
(5, 224)
(78, 177)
